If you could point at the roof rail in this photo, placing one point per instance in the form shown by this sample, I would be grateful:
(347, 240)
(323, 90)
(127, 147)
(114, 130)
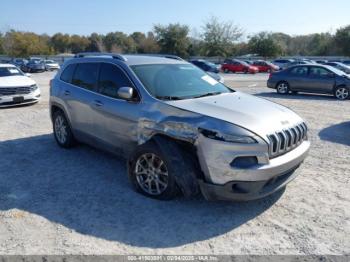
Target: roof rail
(113, 55)
(165, 56)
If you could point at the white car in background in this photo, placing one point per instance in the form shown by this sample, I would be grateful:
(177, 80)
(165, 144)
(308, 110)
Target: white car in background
(16, 87)
(51, 65)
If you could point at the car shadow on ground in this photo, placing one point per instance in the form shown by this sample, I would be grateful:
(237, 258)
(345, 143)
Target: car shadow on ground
(299, 96)
(87, 191)
(338, 133)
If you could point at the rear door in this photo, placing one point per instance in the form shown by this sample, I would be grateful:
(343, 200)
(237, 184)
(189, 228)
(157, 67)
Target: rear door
(79, 96)
(320, 80)
(297, 78)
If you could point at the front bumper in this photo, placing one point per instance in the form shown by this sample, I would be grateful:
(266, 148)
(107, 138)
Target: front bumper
(223, 181)
(13, 100)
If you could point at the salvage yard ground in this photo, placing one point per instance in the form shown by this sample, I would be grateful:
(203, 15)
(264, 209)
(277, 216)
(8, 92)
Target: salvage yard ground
(56, 201)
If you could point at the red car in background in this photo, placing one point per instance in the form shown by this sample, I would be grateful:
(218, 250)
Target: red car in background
(265, 66)
(234, 66)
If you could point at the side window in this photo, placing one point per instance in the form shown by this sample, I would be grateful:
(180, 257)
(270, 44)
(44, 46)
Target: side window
(318, 72)
(85, 75)
(68, 72)
(299, 71)
(111, 79)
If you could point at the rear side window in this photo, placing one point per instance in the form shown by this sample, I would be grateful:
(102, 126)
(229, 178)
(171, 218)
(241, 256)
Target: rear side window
(111, 79)
(85, 75)
(68, 72)
(318, 72)
(299, 71)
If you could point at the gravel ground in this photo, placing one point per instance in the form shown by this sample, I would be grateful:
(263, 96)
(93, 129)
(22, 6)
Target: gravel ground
(56, 201)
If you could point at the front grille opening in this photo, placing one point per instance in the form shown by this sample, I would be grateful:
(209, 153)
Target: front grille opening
(284, 141)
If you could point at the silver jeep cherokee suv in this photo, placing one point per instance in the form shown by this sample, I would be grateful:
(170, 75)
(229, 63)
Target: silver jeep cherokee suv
(180, 130)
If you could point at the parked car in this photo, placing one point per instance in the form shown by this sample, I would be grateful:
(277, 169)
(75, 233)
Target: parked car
(322, 62)
(282, 63)
(180, 130)
(312, 79)
(265, 66)
(343, 67)
(51, 65)
(19, 62)
(16, 87)
(33, 66)
(236, 66)
(346, 62)
(205, 65)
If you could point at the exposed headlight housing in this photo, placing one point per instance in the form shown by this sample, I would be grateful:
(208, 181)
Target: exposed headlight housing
(226, 137)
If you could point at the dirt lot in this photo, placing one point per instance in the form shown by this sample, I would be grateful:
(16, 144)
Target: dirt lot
(56, 201)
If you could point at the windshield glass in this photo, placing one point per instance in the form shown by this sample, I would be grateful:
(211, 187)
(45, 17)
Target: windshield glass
(49, 61)
(9, 71)
(335, 70)
(177, 81)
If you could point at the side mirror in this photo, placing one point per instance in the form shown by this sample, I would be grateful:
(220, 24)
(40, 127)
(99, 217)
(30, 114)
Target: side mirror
(126, 92)
(28, 75)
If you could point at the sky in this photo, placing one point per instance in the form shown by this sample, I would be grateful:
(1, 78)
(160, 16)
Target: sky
(84, 17)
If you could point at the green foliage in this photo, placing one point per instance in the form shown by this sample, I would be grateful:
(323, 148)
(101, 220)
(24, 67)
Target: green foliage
(342, 40)
(173, 39)
(216, 39)
(264, 45)
(219, 37)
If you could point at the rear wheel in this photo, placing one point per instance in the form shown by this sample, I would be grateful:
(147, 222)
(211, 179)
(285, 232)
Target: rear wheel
(62, 131)
(342, 93)
(282, 88)
(226, 70)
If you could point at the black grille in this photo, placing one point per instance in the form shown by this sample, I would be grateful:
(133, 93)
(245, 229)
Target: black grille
(20, 90)
(286, 140)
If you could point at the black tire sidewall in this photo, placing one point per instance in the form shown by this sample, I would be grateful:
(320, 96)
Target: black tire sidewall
(150, 147)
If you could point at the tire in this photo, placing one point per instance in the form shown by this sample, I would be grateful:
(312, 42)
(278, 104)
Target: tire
(226, 71)
(282, 88)
(342, 93)
(152, 163)
(62, 130)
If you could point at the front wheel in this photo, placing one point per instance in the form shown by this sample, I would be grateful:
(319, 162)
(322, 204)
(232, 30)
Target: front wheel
(282, 88)
(342, 93)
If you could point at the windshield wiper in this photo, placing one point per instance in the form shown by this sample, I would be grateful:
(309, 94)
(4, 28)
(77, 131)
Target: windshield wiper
(208, 94)
(169, 97)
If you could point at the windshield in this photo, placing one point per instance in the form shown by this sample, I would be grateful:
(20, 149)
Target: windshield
(49, 61)
(335, 70)
(9, 71)
(211, 64)
(177, 81)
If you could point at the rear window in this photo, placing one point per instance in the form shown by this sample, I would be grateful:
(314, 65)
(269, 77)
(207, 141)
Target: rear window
(85, 75)
(68, 72)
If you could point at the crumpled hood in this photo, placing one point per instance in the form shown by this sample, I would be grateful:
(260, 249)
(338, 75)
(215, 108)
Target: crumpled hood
(14, 81)
(258, 115)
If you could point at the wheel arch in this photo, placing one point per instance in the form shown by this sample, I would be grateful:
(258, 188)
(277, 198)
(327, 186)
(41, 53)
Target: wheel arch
(186, 182)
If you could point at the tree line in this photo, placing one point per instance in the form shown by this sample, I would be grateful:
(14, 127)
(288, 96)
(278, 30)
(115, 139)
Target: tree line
(216, 38)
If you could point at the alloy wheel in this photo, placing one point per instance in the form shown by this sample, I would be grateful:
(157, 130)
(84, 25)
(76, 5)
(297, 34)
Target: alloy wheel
(151, 174)
(282, 88)
(61, 129)
(342, 93)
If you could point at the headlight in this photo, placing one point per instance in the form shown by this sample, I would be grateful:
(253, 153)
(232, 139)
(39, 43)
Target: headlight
(34, 87)
(227, 138)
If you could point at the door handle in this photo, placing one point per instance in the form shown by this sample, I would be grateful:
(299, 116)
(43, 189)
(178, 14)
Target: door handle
(66, 92)
(98, 103)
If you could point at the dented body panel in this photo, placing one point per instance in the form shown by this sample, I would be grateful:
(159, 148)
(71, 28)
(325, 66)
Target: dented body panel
(121, 126)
